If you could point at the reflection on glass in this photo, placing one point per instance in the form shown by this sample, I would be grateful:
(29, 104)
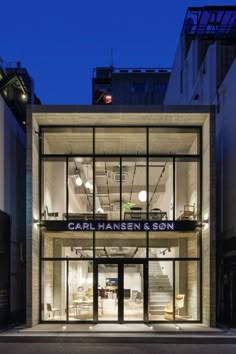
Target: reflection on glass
(80, 187)
(67, 244)
(107, 188)
(134, 189)
(160, 289)
(120, 245)
(54, 189)
(187, 297)
(133, 292)
(173, 244)
(187, 190)
(54, 291)
(68, 141)
(80, 283)
(173, 141)
(107, 292)
(120, 140)
(160, 189)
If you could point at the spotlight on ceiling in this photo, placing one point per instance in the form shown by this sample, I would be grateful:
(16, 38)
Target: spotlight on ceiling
(24, 97)
(100, 210)
(89, 184)
(78, 181)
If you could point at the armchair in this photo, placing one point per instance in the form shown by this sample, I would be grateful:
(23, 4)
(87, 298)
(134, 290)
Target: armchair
(179, 304)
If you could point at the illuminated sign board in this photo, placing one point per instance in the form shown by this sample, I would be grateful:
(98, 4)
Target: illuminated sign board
(121, 226)
(111, 226)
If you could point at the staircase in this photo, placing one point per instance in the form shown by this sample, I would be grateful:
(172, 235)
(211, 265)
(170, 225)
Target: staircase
(160, 289)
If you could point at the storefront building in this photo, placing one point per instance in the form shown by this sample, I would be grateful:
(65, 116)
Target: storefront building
(120, 214)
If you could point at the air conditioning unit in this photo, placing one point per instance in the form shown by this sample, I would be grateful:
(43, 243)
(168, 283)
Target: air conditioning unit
(116, 177)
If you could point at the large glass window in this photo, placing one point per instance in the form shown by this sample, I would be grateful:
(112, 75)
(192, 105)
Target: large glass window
(54, 282)
(112, 179)
(119, 187)
(173, 244)
(80, 283)
(68, 141)
(80, 188)
(120, 140)
(164, 304)
(134, 189)
(172, 140)
(107, 188)
(133, 292)
(160, 289)
(187, 189)
(108, 292)
(187, 295)
(160, 189)
(67, 244)
(120, 245)
(53, 189)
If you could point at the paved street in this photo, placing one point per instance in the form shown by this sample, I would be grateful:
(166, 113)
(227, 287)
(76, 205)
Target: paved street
(82, 348)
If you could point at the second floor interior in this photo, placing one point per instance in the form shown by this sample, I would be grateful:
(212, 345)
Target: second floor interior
(121, 173)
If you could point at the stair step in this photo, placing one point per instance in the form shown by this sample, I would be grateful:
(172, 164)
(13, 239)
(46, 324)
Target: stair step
(153, 312)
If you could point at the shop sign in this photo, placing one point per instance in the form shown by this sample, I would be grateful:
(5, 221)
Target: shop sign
(121, 226)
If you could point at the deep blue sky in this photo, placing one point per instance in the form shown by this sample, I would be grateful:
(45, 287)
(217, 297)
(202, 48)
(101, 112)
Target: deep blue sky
(60, 42)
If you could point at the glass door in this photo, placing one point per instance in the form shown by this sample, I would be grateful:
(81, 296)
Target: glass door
(133, 292)
(107, 292)
(120, 291)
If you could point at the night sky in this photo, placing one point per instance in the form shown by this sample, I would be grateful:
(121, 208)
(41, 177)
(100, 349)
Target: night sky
(60, 42)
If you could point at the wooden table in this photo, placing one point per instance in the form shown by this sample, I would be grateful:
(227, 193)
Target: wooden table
(80, 304)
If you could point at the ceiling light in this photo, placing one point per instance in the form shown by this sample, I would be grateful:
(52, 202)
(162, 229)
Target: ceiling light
(24, 97)
(89, 184)
(100, 210)
(142, 196)
(78, 181)
(89, 281)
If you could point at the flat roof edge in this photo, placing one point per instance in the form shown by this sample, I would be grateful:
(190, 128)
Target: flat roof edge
(120, 109)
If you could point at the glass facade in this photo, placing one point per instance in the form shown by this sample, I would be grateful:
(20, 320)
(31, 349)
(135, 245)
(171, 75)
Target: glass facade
(125, 175)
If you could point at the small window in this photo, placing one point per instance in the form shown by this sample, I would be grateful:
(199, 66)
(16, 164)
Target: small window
(160, 87)
(138, 87)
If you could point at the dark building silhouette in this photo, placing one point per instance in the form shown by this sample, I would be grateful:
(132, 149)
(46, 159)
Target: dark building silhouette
(16, 91)
(204, 73)
(124, 86)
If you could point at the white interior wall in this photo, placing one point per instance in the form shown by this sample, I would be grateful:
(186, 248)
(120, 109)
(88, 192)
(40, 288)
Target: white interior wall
(165, 201)
(75, 203)
(132, 280)
(167, 269)
(54, 187)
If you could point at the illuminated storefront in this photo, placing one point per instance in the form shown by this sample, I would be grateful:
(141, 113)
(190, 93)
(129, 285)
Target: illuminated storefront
(120, 219)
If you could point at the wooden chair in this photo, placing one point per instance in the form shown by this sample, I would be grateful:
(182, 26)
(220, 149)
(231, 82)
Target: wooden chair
(52, 310)
(179, 304)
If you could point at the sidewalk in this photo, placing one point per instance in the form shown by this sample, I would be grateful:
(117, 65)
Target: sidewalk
(116, 333)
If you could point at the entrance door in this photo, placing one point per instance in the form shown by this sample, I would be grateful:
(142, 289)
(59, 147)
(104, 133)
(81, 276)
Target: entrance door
(120, 291)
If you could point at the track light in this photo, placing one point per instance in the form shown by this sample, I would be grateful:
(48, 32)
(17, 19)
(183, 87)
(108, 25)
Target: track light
(78, 181)
(100, 210)
(24, 97)
(89, 184)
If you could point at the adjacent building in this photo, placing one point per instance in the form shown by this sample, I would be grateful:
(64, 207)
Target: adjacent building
(121, 214)
(129, 86)
(204, 73)
(16, 90)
